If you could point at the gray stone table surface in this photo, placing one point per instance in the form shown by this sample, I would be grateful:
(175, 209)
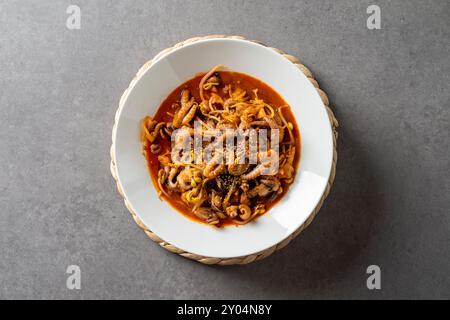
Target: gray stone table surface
(389, 205)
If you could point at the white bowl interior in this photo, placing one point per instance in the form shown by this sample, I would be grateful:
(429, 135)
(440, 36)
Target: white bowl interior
(316, 155)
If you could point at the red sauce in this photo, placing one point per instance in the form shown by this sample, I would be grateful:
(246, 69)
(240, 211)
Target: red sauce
(167, 109)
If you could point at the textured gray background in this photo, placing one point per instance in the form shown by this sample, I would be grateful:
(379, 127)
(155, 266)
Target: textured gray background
(389, 205)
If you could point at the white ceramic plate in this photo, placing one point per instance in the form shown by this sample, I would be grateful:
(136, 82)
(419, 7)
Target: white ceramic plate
(153, 86)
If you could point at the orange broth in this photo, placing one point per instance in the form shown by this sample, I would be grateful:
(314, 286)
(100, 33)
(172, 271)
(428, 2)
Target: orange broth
(167, 109)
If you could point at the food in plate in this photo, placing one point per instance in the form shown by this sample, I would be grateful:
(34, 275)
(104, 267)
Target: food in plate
(222, 148)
